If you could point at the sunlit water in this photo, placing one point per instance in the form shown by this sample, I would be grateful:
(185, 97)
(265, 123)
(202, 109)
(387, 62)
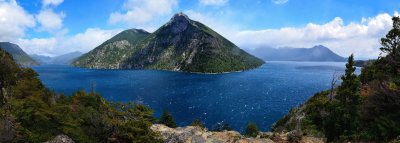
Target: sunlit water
(262, 95)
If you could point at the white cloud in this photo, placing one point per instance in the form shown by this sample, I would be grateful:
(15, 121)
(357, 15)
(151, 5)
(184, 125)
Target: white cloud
(14, 21)
(49, 20)
(214, 21)
(139, 12)
(360, 38)
(279, 2)
(213, 2)
(83, 42)
(51, 2)
(38, 45)
(88, 40)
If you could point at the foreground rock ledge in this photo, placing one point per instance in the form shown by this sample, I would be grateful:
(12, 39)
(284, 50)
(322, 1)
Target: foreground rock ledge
(193, 134)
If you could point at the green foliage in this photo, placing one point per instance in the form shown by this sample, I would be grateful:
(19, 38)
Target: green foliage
(30, 113)
(8, 75)
(251, 130)
(167, 119)
(344, 119)
(197, 123)
(391, 46)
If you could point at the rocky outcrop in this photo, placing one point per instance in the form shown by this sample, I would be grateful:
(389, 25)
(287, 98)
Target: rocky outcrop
(61, 139)
(193, 134)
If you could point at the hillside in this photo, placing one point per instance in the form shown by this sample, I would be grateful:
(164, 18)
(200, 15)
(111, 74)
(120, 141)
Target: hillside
(29, 112)
(316, 53)
(113, 52)
(18, 54)
(179, 45)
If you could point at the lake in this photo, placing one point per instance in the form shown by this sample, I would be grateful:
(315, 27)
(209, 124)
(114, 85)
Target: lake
(261, 95)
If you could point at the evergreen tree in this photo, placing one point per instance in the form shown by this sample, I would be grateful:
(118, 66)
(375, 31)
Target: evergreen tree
(390, 47)
(251, 130)
(168, 120)
(348, 90)
(344, 118)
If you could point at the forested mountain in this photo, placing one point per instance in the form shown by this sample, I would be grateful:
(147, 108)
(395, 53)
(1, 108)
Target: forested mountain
(113, 52)
(180, 45)
(18, 54)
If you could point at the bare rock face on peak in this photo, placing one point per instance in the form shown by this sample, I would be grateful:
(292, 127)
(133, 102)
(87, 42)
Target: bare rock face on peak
(181, 45)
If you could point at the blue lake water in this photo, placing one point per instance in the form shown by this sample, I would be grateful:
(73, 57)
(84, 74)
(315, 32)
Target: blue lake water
(262, 95)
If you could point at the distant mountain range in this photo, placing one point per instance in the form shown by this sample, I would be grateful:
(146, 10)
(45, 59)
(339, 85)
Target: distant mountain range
(179, 45)
(64, 59)
(18, 54)
(316, 53)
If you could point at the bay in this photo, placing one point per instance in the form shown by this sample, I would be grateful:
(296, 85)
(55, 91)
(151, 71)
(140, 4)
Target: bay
(261, 95)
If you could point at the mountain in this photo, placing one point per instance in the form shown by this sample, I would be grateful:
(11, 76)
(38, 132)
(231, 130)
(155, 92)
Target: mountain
(41, 59)
(64, 59)
(179, 45)
(114, 51)
(18, 54)
(316, 53)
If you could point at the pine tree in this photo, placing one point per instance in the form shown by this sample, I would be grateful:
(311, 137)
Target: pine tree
(348, 90)
(390, 47)
(168, 120)
(344, 118)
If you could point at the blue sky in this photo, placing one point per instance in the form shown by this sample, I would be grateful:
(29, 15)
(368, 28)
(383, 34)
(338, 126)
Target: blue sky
(53, 27)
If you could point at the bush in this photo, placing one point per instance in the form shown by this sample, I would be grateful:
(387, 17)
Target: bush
(167, 119)
(197, 123)
(251, 130)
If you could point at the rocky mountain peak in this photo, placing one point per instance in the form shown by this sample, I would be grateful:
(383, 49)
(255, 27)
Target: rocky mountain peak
(179, 22)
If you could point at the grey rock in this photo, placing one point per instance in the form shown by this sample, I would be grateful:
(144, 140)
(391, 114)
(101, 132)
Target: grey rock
(61, 139)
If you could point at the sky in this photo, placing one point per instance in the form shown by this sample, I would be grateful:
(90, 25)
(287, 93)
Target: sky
(55, 27)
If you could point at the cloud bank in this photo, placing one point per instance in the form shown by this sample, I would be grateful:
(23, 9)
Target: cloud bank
(14, 21)
(360, 37)
(53, 46)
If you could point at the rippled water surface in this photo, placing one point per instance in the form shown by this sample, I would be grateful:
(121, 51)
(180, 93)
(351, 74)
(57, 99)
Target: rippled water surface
(261, 95)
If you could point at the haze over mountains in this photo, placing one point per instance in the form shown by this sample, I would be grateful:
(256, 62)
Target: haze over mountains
(316, 53)
(179, 45)
(18, 54)
(64, 59)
